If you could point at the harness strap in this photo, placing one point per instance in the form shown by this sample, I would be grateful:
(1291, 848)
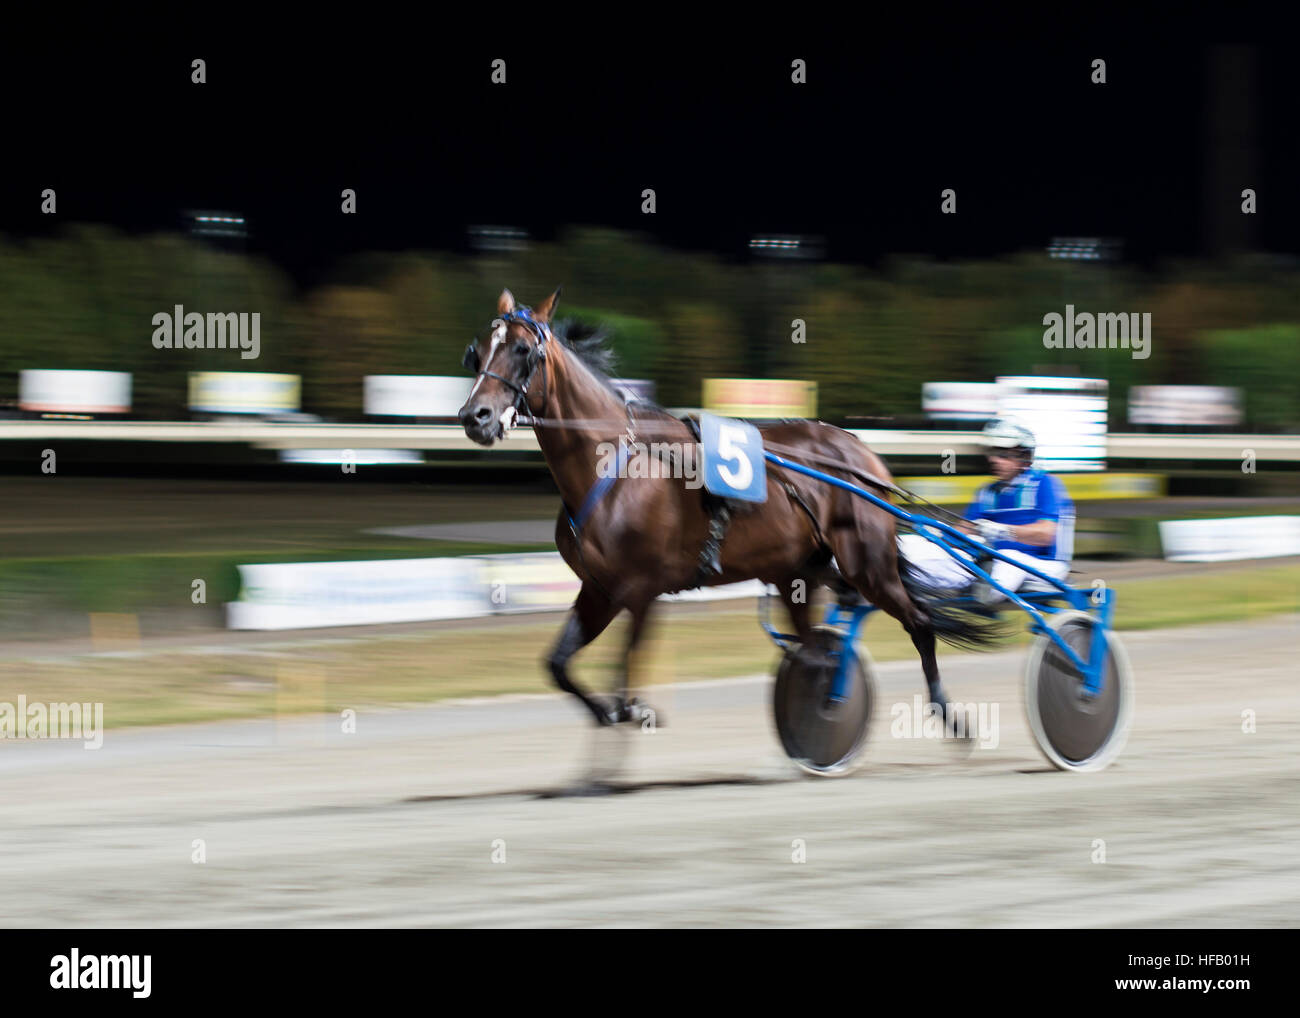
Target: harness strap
(598, 491)
(710, 563)
(862, 475)
(793, 493)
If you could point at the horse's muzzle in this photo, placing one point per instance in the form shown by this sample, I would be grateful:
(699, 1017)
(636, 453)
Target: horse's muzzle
(480, 424)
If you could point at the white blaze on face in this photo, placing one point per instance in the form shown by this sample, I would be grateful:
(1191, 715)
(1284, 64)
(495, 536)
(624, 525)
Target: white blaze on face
(498, 337)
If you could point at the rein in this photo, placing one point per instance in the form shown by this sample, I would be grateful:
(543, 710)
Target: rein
(862, 475)
(798, 455)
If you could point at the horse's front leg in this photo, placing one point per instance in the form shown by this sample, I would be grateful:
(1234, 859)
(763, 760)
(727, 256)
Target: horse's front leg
(591, 614)
(629, 708)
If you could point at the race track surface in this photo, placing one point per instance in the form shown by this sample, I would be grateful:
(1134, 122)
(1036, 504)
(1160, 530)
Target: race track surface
(397, 824)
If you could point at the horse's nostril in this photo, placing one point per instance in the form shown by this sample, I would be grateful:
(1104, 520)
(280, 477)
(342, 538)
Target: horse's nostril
(482, 414)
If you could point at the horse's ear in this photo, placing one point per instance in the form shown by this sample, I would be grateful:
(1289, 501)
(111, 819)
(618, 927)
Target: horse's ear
(505, 303)
(546, 309)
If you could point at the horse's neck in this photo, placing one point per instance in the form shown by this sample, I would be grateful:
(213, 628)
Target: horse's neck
(592, 414)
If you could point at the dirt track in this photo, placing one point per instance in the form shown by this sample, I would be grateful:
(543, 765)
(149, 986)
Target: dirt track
(395, 825)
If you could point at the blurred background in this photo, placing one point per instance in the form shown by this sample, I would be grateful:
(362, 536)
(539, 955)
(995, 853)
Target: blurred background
(798, 261)
(190, 535)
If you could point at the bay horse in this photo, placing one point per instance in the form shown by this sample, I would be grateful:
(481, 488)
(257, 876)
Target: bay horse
(631, 539)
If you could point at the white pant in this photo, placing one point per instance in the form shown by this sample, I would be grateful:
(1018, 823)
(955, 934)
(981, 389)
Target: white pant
(943, 570)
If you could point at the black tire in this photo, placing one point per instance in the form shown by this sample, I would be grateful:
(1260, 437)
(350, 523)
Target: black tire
(820, 739)
(1074, 732)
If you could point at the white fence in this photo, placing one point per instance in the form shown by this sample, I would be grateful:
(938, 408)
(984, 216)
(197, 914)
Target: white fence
(1237, 537)
(306, 595)
(886, 441)
(84, 392)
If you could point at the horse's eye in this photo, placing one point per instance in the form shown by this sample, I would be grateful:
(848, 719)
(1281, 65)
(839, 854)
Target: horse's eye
(521, 349)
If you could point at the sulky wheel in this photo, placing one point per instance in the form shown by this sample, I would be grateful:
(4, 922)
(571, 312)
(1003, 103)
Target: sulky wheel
(822, 737)
(1077, 732)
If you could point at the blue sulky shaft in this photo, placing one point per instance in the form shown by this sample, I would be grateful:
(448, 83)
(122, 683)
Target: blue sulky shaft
(942, 534)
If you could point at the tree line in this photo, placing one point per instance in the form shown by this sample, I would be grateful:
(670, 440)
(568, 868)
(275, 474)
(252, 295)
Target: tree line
(870, 337)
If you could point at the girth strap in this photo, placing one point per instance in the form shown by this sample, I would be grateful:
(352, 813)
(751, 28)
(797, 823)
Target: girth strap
(793, 494)
(710, 563)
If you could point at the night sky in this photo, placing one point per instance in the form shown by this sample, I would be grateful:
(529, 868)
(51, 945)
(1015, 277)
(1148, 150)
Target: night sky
(859, 155)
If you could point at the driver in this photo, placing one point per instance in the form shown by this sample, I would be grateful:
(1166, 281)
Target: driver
(1024, 513)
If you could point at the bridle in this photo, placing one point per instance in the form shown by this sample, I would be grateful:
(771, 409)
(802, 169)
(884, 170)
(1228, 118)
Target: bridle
(536, 360)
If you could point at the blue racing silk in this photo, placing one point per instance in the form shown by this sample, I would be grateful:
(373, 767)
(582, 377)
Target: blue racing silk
(1030, 496)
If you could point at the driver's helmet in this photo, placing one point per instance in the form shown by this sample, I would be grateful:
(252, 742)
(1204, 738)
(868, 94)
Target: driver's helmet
(1008, 433)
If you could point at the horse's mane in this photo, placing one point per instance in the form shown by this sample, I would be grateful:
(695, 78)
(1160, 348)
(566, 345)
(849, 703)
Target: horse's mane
(589, 342)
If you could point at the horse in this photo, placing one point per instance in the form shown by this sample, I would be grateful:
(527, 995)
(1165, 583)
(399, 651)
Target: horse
(631, 539)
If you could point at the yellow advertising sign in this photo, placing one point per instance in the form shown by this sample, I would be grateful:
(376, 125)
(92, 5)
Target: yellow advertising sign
(760, 397)
(244, 392)
(539, 581)
(1081, 487)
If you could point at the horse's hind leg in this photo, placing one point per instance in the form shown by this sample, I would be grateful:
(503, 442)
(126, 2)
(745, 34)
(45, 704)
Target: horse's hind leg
(922, 634)
(592, 613)
(868, 560)
(892, 598)
(798, 606)
(916, 620)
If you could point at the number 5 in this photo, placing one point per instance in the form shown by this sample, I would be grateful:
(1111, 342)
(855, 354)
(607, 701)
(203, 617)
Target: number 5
(739, 478)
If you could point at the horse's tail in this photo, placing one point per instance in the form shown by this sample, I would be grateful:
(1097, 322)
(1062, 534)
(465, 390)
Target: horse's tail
(971, 626)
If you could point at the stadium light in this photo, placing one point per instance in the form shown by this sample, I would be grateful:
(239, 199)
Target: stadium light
(497, 238)
(217, 224)
(1085, 249)
(786, 246)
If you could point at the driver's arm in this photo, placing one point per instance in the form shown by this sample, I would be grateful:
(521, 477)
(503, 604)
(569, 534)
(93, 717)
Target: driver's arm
(1042, 532)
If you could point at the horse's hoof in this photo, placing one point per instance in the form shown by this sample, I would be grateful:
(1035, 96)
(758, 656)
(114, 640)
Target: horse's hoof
(649, 718)
(961, 749)
(959, 737)
(952, 728)
(606, 709)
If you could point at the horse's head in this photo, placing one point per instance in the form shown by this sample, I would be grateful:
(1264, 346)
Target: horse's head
(510, 365)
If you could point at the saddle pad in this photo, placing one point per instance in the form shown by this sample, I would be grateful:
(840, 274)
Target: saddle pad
(734, 466)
